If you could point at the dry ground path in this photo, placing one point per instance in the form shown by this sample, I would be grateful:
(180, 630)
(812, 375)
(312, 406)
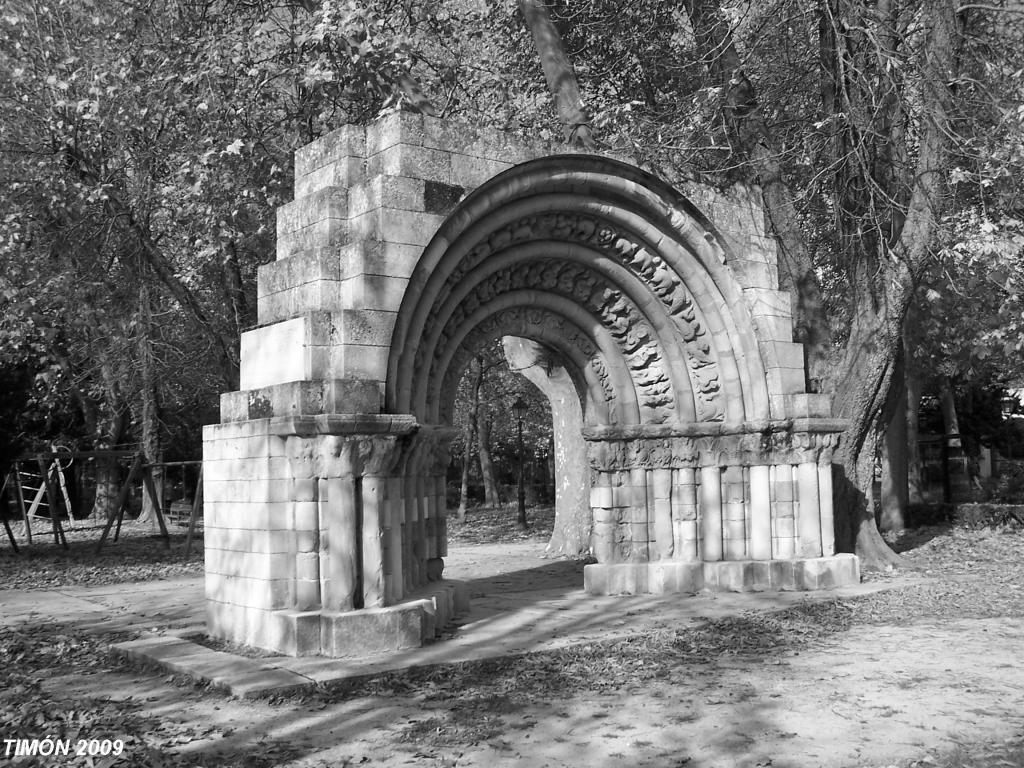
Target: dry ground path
(933, 662)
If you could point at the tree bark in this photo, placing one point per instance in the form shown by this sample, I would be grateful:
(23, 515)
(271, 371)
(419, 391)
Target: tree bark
(559, 73)
(149, 412)
(108, 475)
(492, 498)
(883, 287)
(469, 433)
(752, 139)
(232, 275)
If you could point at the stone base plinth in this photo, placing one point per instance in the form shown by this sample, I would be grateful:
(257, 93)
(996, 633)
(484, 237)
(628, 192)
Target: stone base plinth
(350, 634)
(724, 575)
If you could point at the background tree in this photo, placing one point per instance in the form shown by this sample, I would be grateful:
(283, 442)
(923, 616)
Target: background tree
(144, 150)
(487, 445)
(151, 142)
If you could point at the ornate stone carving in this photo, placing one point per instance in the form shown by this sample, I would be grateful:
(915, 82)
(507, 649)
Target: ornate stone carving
(641, 453)
(379, 454)
(637, 340)
(337, 456)
(349, 455)
(624, 248)
(745, 448)
(527, 322)
(436, 453)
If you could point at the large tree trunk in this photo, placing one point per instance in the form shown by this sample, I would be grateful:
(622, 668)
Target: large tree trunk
(108, 473)
(882, 262)
(861, 396)
(233, 288)
(149, 415)
(559, 73)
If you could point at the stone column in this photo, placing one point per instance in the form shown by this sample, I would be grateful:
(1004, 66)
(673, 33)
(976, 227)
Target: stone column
(436, 465)
(828, 528)
(379, 457)
(306, 515)
(783, 512)
(734, 523)
(684, 515)
(394, 527)
(663, 544)
(711, 512)
(639, 550)
(760, 513)
(602, 502)
(808, 510)
(339, 517)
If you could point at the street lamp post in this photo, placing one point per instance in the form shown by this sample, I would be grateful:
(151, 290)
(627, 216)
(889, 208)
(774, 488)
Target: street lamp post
(519, 408)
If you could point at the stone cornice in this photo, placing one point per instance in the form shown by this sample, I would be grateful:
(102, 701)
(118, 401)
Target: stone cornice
(747, 444)
(343, 424)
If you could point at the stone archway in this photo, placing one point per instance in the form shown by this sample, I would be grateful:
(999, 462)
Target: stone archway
(411, 243)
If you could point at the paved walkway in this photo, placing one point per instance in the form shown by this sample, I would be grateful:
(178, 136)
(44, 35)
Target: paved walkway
(519, 602)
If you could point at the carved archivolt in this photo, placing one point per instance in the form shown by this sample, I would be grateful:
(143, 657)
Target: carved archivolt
(749, 449)
(624, 248)
(528, 322)
(635, 337)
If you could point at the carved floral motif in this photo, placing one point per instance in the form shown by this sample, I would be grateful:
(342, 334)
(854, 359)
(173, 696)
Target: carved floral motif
(642, 453)
(635, 337)
(745, 449)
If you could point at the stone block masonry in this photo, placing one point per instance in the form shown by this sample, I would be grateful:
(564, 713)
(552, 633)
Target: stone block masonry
(411, 243)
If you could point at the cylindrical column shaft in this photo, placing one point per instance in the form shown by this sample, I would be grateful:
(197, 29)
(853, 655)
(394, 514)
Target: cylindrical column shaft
(808, 510)
(760, 513)
(828, 528)
(373, 541)
(684, 515)
(339, 510)
(711, 512)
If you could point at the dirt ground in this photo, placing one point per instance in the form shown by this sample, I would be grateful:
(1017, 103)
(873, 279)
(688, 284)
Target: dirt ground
(924, 673)
(904, 693)
(871, 696)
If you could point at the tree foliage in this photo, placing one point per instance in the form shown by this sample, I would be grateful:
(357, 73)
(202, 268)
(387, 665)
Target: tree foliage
(145, 148)
(147, 144)
(490, 403)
